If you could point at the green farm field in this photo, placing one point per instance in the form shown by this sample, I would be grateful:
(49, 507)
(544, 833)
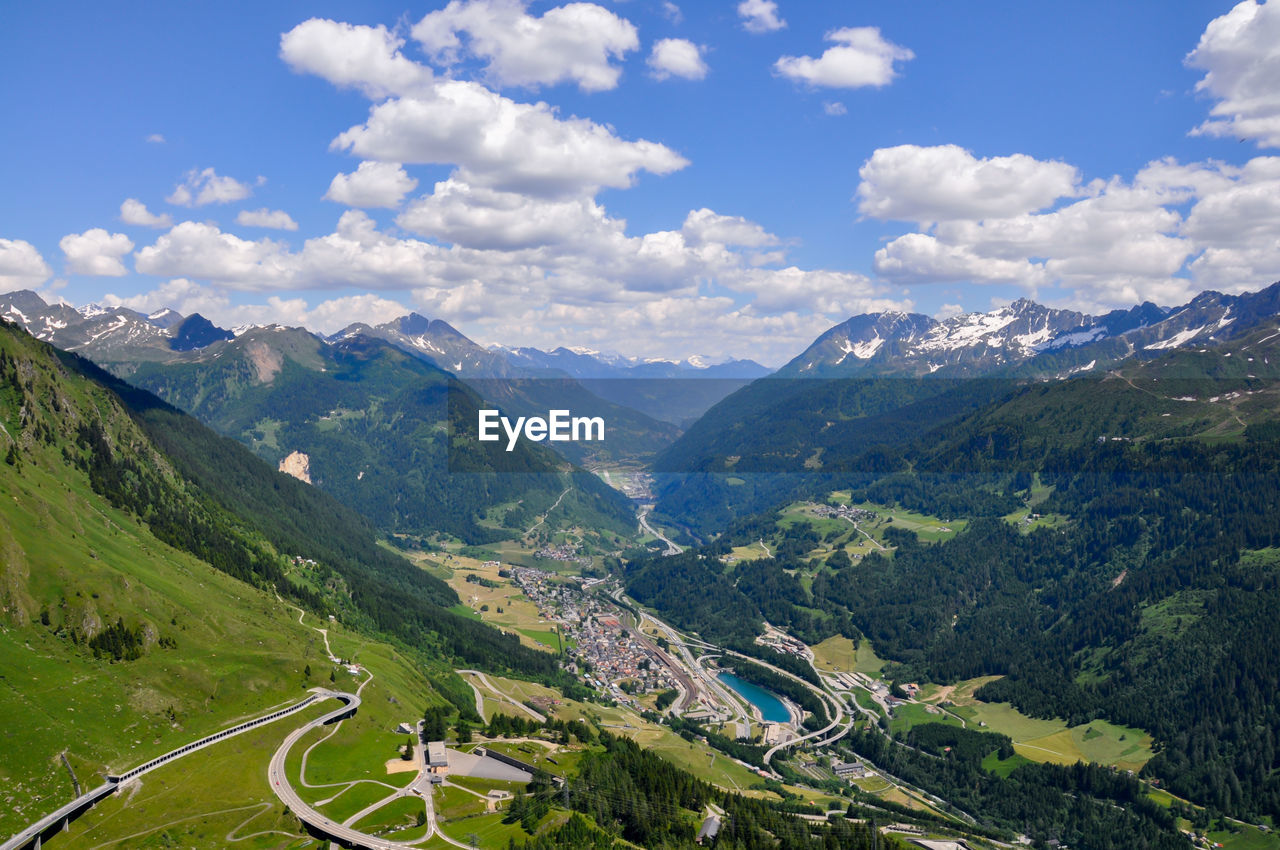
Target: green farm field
(1048, 740)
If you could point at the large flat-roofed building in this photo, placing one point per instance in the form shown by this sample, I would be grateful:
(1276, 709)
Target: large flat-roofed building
(437, 759)
(846, 770)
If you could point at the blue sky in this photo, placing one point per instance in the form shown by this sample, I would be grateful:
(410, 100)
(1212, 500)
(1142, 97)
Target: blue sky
(656, 178)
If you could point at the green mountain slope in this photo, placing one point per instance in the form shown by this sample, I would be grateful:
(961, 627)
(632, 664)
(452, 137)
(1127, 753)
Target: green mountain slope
(210, 497)
(374, 423)
(116, 646)
(832, 410)
(1149, 595)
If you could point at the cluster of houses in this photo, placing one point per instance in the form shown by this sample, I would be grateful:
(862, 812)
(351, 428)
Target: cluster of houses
(606, 653)
(613, 654)
(843, 512)
(565, 552)
(784, 643)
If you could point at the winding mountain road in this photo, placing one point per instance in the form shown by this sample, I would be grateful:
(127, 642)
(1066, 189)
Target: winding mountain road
(672, 548)
(278, 778)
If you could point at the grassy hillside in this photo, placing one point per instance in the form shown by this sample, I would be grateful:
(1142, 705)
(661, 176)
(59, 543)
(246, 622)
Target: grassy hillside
(1135, 583)
(379, 429)
(210, 497)
(142, 561)
(213, 649)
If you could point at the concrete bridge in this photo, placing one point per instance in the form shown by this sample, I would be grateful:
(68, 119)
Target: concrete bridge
(34, 835)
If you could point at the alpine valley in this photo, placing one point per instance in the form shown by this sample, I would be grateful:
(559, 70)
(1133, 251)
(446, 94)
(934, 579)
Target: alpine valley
(1011, 578)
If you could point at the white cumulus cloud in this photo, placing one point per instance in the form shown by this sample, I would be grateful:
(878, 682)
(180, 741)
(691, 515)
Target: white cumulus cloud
(1237, 222)
(271, 219)
(477, 217)
(576, 43)
(372, 184)
(503, 144)
(21, 266)
(923, 258)
(760, 16)
(133, 211)
(96, 252)
(830, 293)
(677, 57)
(923, 184)
(1240, 54)
(201, 188)
(861, 57)
(1119, 246)
(1115, 242)
(200, 250)
(352, 56)
(703, 226)
(526, 267)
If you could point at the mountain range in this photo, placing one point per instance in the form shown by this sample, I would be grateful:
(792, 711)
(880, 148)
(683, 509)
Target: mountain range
(665, 391)
(809, 424)
(978, 343)
(886, 342)
(831, 405)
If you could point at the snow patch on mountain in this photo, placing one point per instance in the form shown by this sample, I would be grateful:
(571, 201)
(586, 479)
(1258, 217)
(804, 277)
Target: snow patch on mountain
(1035, 338)
(1076, 338)
(92, 311)
(1177, 340)
(966, 331)
(861, 350)
(422, 343)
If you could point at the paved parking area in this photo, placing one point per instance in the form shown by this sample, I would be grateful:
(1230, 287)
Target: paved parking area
(466, 764)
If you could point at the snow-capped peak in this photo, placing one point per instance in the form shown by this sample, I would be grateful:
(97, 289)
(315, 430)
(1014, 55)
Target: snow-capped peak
(92, 311)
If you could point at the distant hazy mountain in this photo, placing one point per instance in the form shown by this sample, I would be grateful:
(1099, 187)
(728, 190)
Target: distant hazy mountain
(659, 389)
(436, 341)
(672, 391)
(585, 363)
(514, 386)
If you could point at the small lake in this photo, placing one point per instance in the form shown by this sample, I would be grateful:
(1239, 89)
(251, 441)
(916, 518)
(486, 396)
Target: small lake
(770, 706)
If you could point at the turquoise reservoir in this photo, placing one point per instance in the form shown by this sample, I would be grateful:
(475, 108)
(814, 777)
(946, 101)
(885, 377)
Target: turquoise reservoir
(770, 706)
